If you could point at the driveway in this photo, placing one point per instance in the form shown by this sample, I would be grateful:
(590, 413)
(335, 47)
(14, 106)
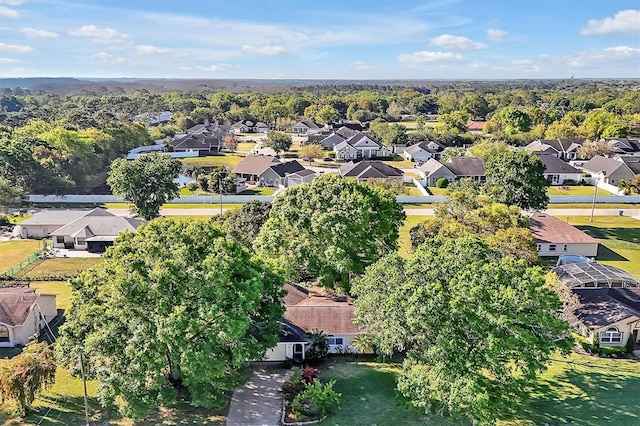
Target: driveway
(259, 402)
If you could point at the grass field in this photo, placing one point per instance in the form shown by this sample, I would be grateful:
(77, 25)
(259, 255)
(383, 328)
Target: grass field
(575, 190)
(399, 162)
(598, 206)
(404, 242)
(60, 288)
(181, 217)
(578, 389)
(619, 239)
(229, 160)
(438, 191)
(64, 267)
(412, 190)
(15, 251)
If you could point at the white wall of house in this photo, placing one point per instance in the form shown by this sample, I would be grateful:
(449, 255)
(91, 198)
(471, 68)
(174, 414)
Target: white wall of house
(282, 351)
(626, 327)
(37, 231)
(339, 342)
(433, 177)
(557, 249)
(420, 156)
(558, 179)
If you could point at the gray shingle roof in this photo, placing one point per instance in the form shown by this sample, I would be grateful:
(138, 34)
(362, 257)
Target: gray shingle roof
(255, 164)
(601, 307)
(553, 164)
(466, 166)
(369, 169)
(603, 164)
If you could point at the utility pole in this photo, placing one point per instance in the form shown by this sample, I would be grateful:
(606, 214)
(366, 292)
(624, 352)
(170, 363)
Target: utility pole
(220, 189)
(595, 192)
(84, 388)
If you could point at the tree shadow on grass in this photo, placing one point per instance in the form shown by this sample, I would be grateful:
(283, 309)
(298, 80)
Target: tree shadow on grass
(70, 411)
(630, 235)
(585, 398)
(605, 253)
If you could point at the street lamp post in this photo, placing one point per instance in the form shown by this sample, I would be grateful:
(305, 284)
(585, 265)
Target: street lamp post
(595, 192)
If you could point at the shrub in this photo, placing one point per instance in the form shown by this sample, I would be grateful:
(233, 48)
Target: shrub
(293, 387)
(318, 347)
(443, 182)
(316, 400)
(569, 182)
(615, 351)
(630, 345)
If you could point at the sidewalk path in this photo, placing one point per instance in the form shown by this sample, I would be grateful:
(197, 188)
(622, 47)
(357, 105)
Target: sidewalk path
(259, 402)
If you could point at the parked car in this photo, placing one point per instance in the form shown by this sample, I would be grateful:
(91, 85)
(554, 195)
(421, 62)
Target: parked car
(327, 159)
(307, 159)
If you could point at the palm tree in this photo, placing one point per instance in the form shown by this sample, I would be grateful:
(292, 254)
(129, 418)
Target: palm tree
(363, 343)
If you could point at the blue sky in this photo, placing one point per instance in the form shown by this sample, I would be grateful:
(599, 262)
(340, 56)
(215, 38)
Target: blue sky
(324, 39)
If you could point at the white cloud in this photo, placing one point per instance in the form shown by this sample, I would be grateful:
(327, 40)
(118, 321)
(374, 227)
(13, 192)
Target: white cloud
(361, 66)
(12, 2)
(99, 35)
(214, 68)
(626, 22)
(5, 12)
(423, 56)
(33, 33)
(495, 34)
(451, 42)
(9, 61)
(479, 65)
(15, 48)
(108, 59)
(145, 49)
(267, 50)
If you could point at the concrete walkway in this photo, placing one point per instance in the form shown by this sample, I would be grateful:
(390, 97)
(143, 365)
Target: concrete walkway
(259, 402)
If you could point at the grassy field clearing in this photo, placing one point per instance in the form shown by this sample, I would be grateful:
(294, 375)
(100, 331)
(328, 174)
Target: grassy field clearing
(67, 267)
(15, 251)
(229, 160)
(575, 190)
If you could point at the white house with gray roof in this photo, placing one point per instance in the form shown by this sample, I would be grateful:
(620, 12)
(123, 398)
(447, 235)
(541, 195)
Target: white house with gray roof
(360, 146)
(423, 151)
(608, 170)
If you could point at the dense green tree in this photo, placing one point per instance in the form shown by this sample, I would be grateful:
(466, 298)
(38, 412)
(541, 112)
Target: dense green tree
(279, 141)
(475, 105)
(487, 148)
(455, 121)
(173, 312)
(146, 182)
(477, 329)
(330, 229)
(327, 114)
(311, 151)
(243, 225)
(221, 178)
(597, 122)
(11, 195)
(516, 178)
(389, 134)
(25, 375)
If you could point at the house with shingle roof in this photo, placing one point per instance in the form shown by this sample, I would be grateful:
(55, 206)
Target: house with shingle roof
(467, 168)
(23, 313)
(94, 231)
(360, 146)
(555, 237)
(249, 126)
(432, 170)
(557, 171)
(371, 169)
(42, 224)
(331, 141)
(306, 127)
(423, 151)
(608, 170)
(564, 149)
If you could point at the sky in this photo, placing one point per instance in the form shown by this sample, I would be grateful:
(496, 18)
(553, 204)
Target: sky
(320, 39)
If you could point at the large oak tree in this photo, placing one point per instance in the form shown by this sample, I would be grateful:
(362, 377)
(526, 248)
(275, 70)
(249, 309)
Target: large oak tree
(477, 328)
(331, 229)
(173, 312)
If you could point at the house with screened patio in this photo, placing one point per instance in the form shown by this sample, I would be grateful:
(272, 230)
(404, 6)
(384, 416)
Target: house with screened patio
(606, 306)
(23, 313)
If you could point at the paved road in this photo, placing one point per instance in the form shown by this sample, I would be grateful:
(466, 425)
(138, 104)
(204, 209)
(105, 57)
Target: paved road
(259, 402)
(207, 211)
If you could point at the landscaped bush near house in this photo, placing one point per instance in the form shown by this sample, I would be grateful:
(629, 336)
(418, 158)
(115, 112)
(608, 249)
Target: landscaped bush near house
(570, 182)
(630, 345)
(316, 401)
(615, 351)
(583, 342)
(318, 347)
(442, 182)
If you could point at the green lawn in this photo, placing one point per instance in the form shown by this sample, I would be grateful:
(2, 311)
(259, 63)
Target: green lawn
(399, 162)
(404, 242)
(258, 191)
(575, 190)
(59, 267)
(411, 189)
(438, 191)
(15, 251)
(598, 206)
(619, 239)
(369, 395)
(60, 288)
(418, 206)
(183, 217)
(229, 160)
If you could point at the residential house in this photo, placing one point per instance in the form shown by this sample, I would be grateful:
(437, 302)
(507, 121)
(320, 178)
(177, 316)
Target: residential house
(94, 231)
(564, 149)
(625, 146)
(631, 161)
(23, 313)
(606, 305)
(360, 146)
(347, 131)
(423, 151)
(266, 171)
(249, 126)
(475, 126)
(432, 170)
(467, 168)
(300, 177)
(292, 344)
(305, 127)
(371, 169)
(608, 170)
(276, 175)
(555, 237)
(159, 146)
(331, 141)
(42, 224)
(205, 139)
(557, 171)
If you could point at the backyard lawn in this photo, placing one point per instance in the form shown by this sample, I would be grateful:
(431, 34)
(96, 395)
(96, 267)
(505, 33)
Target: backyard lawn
(411, 189)
(229, 160)
(575, 190)
(15, 251)
(59, 267)
(404, 242)
(619, 239)
(399, 162)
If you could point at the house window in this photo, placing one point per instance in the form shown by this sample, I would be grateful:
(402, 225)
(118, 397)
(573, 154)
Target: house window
(60, 240)
(80, 241)
(4, 334)
(552, 247)
(612, 335)
(564, 247)
(335, 341)
(539, 247)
